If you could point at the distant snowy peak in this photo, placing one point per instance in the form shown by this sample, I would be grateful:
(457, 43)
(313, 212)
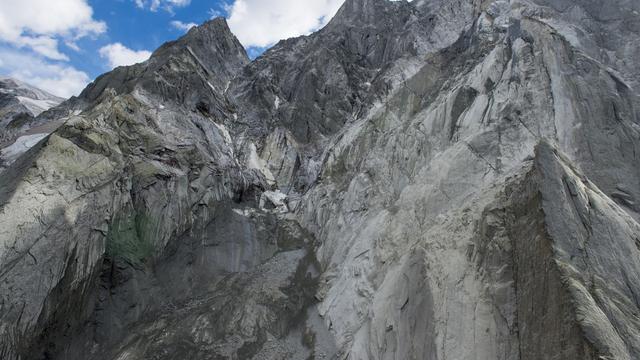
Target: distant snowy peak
(20, 104)
(37, 106)
(33, 99)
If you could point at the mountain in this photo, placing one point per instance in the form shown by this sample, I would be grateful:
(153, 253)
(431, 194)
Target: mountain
(18, 97)
(435, 179)
(20, 104)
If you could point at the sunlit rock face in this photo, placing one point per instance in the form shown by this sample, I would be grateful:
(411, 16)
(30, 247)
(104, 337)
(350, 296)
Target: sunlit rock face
(436, 179)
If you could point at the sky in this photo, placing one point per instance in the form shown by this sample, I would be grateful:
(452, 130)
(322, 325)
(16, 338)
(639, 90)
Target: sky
(62, 45)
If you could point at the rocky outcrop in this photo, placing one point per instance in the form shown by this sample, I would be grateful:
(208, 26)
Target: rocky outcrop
(440, 179)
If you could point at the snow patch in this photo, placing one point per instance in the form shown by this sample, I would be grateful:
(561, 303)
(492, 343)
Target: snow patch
(274, 199)
(20, 146)
(256, 162)
(36, 106)
(224, 131)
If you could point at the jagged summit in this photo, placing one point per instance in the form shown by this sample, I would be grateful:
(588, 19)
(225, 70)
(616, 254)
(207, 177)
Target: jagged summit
(314, 84)
(208, 55)
(358, 13)
(213, 44)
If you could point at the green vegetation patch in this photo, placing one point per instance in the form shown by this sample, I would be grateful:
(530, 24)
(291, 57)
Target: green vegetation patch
(128, 238)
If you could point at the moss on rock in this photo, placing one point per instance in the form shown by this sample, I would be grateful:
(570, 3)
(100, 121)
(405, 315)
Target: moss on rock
(126, 238)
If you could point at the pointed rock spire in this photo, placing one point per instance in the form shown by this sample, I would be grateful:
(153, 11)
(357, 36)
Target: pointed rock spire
(208, 53)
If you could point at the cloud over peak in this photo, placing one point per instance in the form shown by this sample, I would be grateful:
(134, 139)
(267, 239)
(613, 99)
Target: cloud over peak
(259, 23)
(120, 55)
(176, 24)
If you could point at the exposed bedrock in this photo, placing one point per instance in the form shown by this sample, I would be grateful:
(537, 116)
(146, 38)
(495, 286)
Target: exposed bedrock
(436, 179)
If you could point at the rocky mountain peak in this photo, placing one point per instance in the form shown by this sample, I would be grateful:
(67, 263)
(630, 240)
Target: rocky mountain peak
(213, 44)
(356, 13)
(208, 54)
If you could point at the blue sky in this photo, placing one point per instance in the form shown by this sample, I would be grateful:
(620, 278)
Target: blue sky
(61, 45)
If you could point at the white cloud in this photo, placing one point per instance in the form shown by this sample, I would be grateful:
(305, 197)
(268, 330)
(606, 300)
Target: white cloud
(182, 26)
(167, 5)
(214, 13)
(38, 24)
(178, 2)
(261, 23)
(58, 79)
(43, 45)
(120, 55)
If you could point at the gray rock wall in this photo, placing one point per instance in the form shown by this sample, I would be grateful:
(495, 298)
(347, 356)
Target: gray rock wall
(428, 180)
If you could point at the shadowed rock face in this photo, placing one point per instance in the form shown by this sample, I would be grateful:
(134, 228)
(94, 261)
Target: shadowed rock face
(440, 179)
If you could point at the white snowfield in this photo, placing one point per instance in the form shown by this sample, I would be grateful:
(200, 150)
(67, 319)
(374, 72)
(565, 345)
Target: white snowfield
(18, 98)
(19, 147)
(37, 106)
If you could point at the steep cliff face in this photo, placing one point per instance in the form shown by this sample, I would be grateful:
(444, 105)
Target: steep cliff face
(417, 174)
(440, 179)
(122, 179)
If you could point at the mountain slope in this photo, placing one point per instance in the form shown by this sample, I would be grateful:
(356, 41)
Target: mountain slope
(440, 179)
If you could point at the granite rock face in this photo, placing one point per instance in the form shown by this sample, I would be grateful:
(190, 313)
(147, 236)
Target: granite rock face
(439, 179)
